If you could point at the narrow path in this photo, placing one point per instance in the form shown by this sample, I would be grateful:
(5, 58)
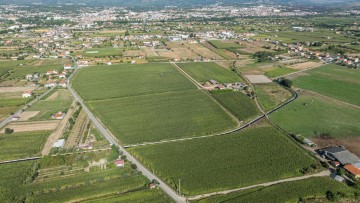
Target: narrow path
(19, 160)
(321, 174)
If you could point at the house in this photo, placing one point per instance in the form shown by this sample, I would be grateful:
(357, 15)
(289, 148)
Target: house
(355, 171)
(50, 83)
(59, 143)
(119, 163)
(152, 185)
(27, 94)
(58, 116)
(15, 118)
(62, 75)
(62, 84)
(67, 66)
(52, 72)
(214, 82)
(339, 154)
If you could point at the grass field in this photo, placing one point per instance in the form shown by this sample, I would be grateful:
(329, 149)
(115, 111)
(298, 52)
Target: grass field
(271, 95)
(277, 71)
(135, 197)
(256, 155)
(102, 52)
(204, 72)
(334, 81)
(21, 145)
(313, 188)
(128, 80)
(242, 106)
(224, 44)
(312, 114)
(49, 107)
(8, 106)
(162, 116)
(22, 71)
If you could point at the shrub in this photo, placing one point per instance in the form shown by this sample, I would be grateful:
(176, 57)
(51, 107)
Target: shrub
(8, 130)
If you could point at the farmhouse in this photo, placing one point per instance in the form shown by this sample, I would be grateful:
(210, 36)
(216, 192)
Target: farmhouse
(339, 154)
(58, 116)
(119, 163)
(27, 94)
(62, 75)
(355, 171)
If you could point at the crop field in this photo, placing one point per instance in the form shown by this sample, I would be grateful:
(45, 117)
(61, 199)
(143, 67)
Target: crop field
(204, 72)
(256, 155)
(102, 52)
(313, 188)
(225, 44)
(155, 195)
(162, 116)
(182, 51)
(312, 115)
(202, 51)
(279, 71)
(8, 106)
(271, 95)
(242, 106)
(22, 71)
(21, 145)
(253, 47)
(128, 80)
(49, 107)
(305, 65)
(33, 126)
(333, 81)
(254, 68)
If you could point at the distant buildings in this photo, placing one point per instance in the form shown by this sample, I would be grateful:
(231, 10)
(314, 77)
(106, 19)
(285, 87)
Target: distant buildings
(27, 94)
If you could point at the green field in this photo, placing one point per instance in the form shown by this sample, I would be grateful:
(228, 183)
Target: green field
(239, 104)
(277, 71)
(162, 116)
(8, 106)
(21, 145)
(155, 195)
(311, 115)
(103, 52)
(271, 95)
(47, 107)
(204, 72)
(128, 80)
(22, 71)
(255, 155)
(334, 81)
(223, 44)
(313, 188)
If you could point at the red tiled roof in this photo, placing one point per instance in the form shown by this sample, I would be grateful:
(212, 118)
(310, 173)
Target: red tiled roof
(118, 162)
(352, 169)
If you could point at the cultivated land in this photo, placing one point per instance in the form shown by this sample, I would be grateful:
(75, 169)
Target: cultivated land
(311, 115)
(204, 72)
(286, 192)
(255, 155)
(239, 104)
(128, 80)
(21, 145)
(103, 52)
(33, 126)
(334, 81)
(278, 71)
(271, 95)
(162, 116)
(225, 44)
(8, 106)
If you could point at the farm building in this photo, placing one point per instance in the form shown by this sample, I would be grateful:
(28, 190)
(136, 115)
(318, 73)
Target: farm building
(214, 82)
(67, 66)
(339, 154)
(337, 177)
(58, 116)
(52, 72)
(119, 163)
(27, 94)
(353, 170)
(59, 143)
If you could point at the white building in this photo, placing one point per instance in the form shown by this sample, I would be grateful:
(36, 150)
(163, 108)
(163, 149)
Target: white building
(59, 143)
(27, 94)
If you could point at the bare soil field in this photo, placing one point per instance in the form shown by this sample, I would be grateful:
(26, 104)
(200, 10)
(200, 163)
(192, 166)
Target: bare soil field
(182, 51)
(258, 79)
(351, 143)
(32, 126)
(167, 53)
(306, 65)
(15, 89)
(24, 116)
(10, 95)
(203, 51)
(149, 51)
(53, 97)
(134, 53)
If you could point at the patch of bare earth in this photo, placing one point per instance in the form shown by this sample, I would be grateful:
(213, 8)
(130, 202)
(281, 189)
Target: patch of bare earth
(24, 116)
(306, 65)
(53, 97)
(33, 126)
(351, 143)
(258, 79)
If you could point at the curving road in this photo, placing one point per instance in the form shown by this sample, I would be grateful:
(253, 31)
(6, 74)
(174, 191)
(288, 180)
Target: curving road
(167, 189)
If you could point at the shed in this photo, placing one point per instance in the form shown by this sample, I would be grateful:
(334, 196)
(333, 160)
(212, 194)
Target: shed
(59, 143)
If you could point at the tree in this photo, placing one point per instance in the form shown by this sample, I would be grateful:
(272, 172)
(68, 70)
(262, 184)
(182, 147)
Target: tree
(285, 82)
(134, 166)
(8, 130)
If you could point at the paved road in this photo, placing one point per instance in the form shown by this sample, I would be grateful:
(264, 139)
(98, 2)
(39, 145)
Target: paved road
(167, 189)
(20, 160)
(8, 119)
(323, 173)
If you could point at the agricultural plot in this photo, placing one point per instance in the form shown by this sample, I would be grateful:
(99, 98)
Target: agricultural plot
(33, 126)
(313, 188)
(271, 95)
(22, 71)
(21, 145)
(258, 79)
(256, 155)
(202, 51)
(226, 54)
(253, 47)
(225, 44)
(204, 72)
(279, 71)
(47, 107)
(11, 105)
(305, 65)
(103, 52)
(183, 52)
(128, 80)
(249, 67)
(333, 81)
(313, 115)
(167, 54)
(242, 106)
(162, 116)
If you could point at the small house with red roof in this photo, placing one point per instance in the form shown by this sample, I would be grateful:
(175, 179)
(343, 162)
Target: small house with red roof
(355, 171)
(119, 163)
(58, 116)
(27, 94)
